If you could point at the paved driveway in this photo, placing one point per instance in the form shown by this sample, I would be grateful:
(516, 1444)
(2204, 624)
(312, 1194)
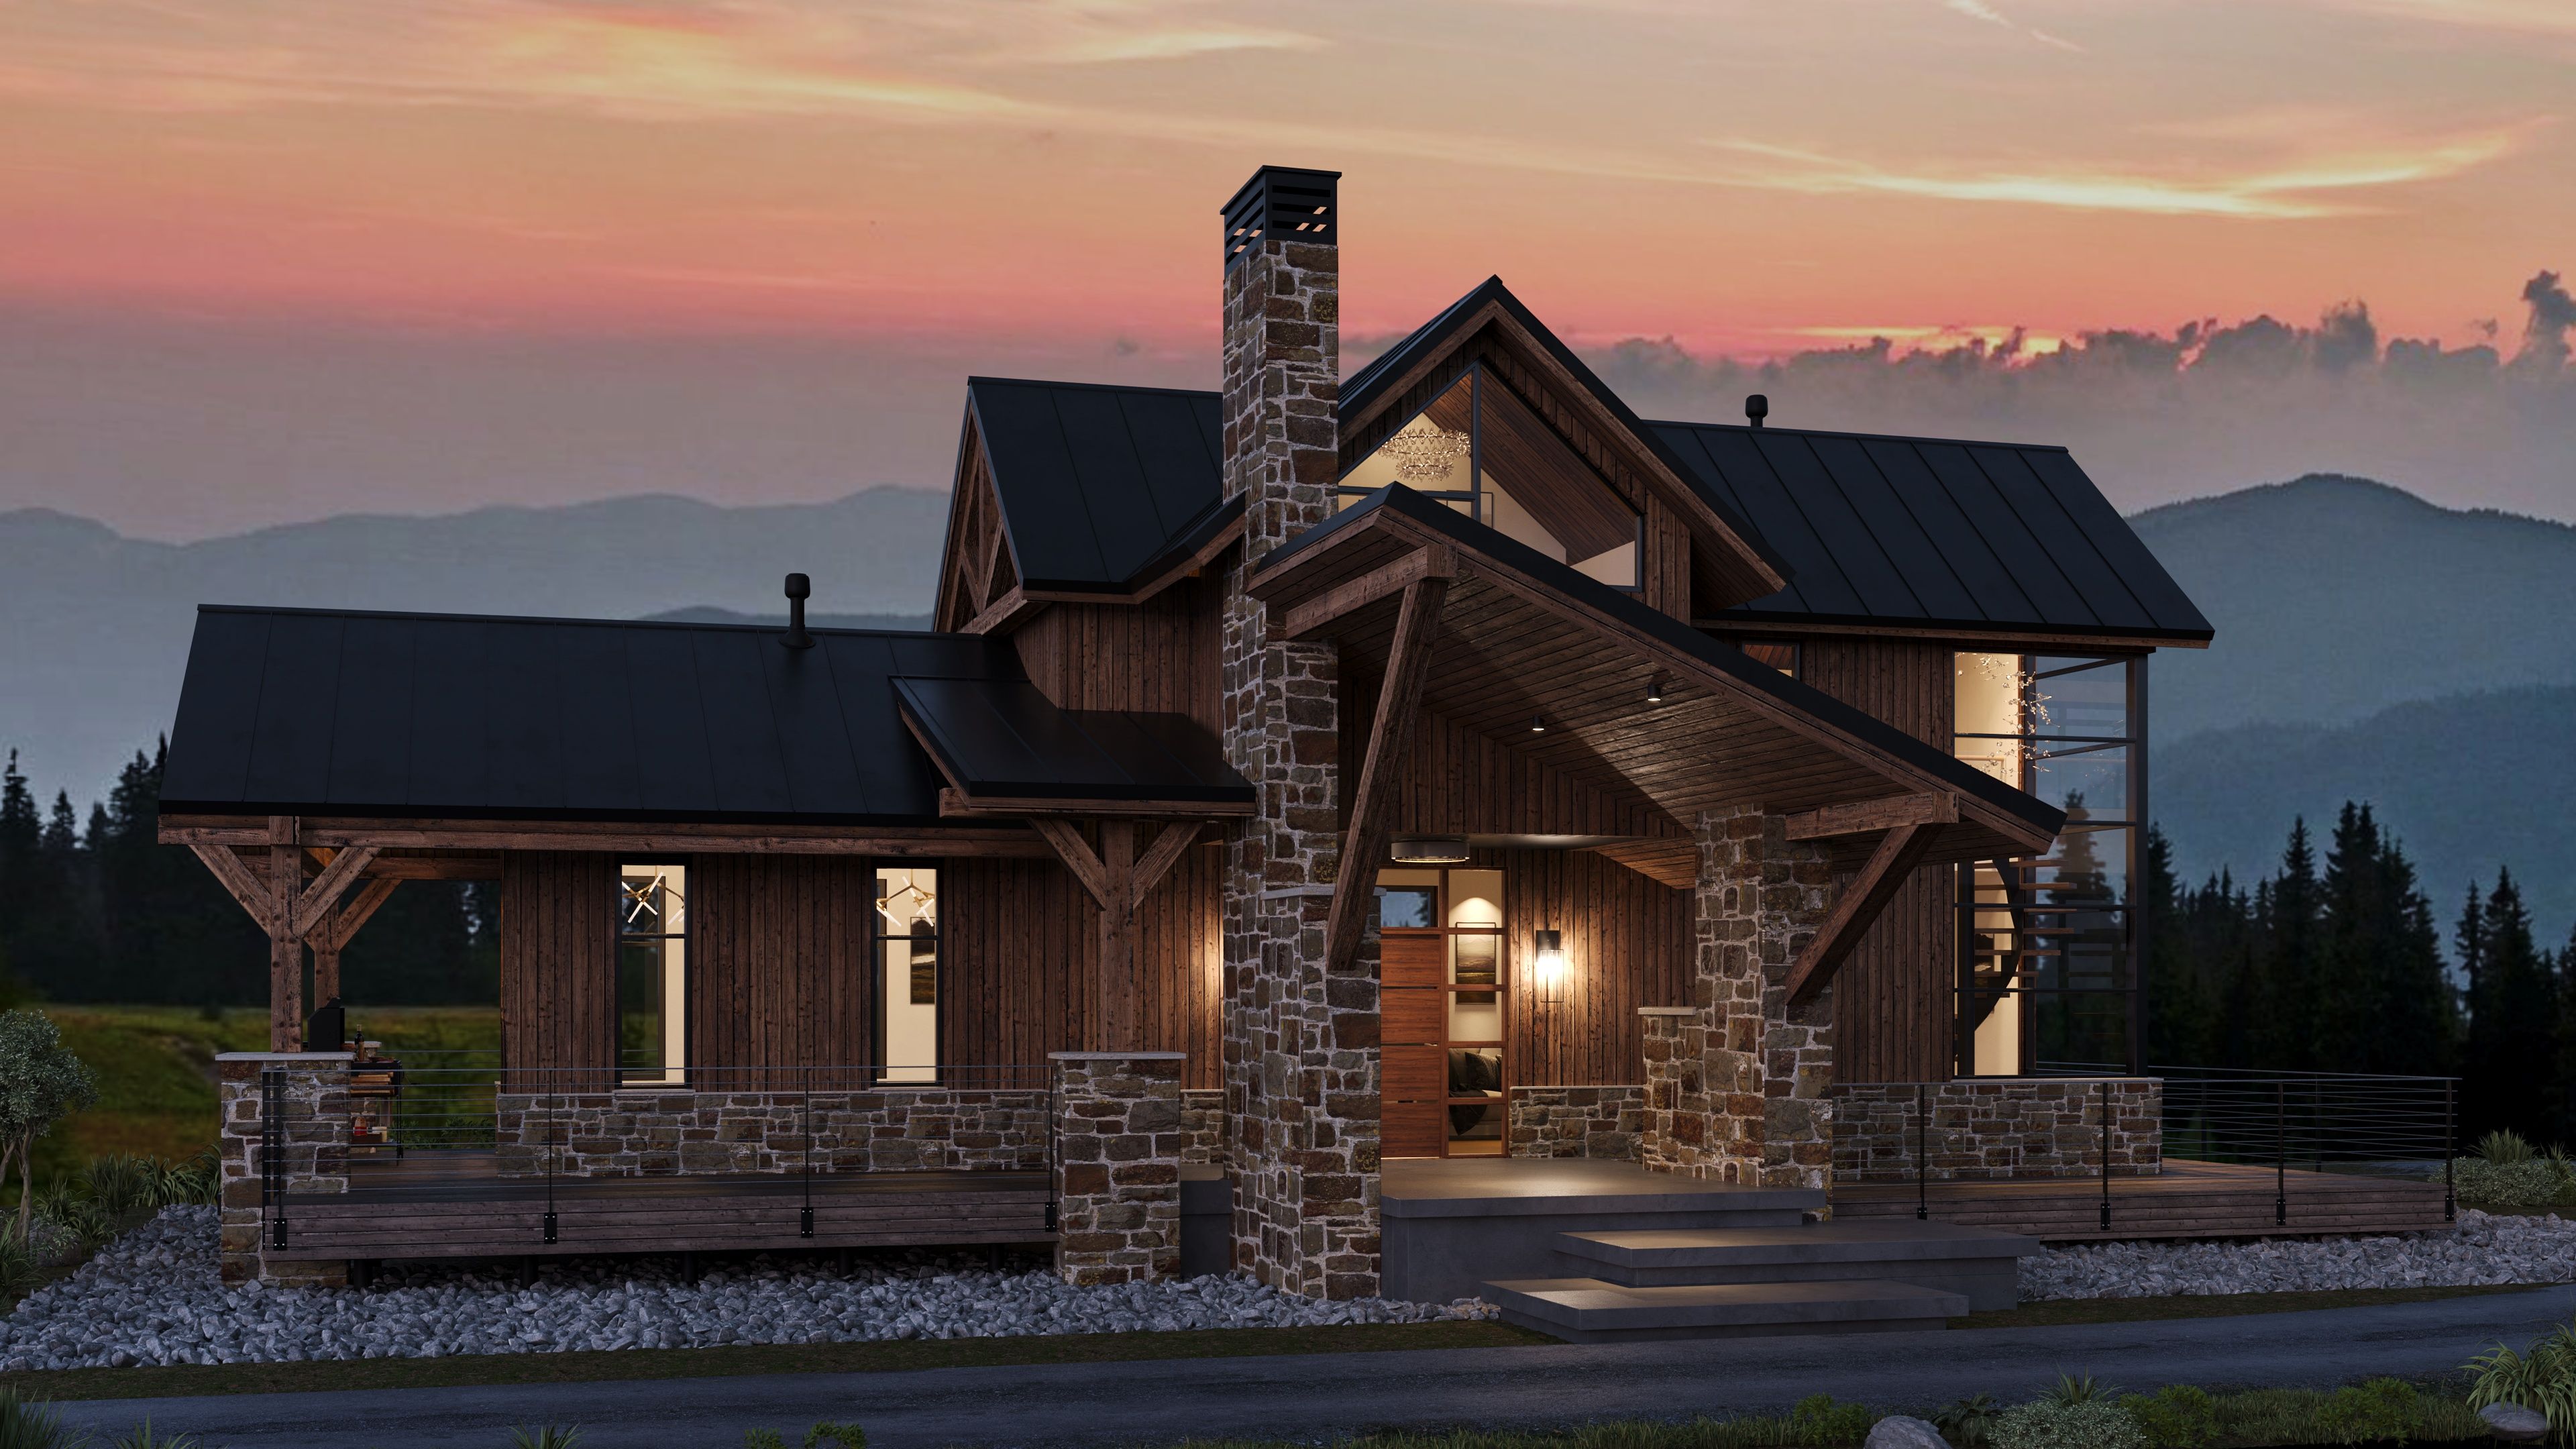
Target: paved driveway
(1318, 1395)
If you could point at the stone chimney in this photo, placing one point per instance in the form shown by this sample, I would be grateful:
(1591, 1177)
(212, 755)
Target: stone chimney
(1301, 1060)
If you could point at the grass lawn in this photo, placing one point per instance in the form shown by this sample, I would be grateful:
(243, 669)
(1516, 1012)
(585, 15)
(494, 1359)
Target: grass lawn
(2215, 1305)
(156, 1070)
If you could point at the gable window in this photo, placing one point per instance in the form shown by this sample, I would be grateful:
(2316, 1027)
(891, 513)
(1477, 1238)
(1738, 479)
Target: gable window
(907, 986)
(652, 973)
(1482, 451)
(2049, 945)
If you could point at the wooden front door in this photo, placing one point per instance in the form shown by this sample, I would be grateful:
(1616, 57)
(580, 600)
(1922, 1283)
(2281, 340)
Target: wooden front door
(1441, 1013)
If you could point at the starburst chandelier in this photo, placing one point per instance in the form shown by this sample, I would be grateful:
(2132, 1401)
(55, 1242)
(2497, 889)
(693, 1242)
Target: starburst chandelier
(1425, 451)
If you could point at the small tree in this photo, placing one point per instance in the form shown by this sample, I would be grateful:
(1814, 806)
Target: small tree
(41, 1082)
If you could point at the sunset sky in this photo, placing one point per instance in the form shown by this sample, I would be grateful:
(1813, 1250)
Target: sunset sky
(271, 259)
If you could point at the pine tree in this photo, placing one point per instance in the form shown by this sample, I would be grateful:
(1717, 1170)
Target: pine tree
(2286, 925)
(2511, 1082)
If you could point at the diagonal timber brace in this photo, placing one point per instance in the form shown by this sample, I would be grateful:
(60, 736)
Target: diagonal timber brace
(1858, 907)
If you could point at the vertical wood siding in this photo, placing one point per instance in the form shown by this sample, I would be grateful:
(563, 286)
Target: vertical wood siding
(1894, 1001)
(779, 969)
(1021, 946)
(558, 966)
(1161, 654)
(1457, 781)
(1627, 945)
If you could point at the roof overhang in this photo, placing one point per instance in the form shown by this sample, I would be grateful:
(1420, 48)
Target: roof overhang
(1524, 639)
(1006, 749)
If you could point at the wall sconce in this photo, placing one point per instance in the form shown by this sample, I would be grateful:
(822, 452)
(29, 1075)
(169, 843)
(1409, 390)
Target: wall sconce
(1550, 958)
(1655, 690)
(1538, 724)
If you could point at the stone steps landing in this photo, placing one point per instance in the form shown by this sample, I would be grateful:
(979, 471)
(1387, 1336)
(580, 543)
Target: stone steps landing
(1589, 1310)
(1977, 1263)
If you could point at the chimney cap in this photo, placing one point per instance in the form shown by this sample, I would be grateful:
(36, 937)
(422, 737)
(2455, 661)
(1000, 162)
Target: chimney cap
(799, 587)
(1284, 203)
(1756, 408)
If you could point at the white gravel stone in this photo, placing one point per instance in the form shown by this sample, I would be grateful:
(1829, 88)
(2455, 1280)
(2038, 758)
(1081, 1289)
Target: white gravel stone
(153, 1297)
(2485, 1248)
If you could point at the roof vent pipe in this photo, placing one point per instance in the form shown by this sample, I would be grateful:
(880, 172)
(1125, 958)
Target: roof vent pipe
(1756, 408)
(799, 589)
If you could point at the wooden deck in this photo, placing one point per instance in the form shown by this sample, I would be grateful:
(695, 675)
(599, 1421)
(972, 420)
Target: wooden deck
(451, 1206)
(2186, 1200)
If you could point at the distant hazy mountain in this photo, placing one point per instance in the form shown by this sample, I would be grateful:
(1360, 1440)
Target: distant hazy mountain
(94, 626)
(2336, 598)
(2468, 782)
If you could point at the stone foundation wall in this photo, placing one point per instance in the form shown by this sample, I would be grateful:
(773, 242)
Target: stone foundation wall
(1118, 1182)
(1603, 1122)
(2032, 1127)
(671, 1132)
(316, 1110)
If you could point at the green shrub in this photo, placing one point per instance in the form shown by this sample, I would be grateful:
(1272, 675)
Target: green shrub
(2368, 1412)
(2052, 1424)
(762, 1439)
(2504, 1148)
(27, 1423)
(2446, 1419)
(2175, 1417)
(836, 1436)
(2541, 1378)
(1819, 1420)
(19, 1269)
(2536, 1182)
(2078, 1389)
(144, 1438)
(121, 1183)
(550, 1436)
(1968, 1423)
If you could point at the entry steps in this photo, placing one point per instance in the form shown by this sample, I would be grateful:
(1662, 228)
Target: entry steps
(1872, 1274)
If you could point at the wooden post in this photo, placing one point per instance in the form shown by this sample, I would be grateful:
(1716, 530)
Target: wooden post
(1364, 836)
(332, 933)
(285, 947)
(1118, 882)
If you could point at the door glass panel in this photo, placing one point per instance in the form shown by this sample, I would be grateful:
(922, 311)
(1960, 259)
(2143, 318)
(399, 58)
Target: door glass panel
(1408, 900)
(1475, 1016)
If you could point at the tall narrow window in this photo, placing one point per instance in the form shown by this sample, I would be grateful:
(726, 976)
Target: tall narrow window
(652, 973)
(907, 994)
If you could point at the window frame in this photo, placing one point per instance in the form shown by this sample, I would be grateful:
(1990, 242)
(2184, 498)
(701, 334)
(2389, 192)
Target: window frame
(668, 1076)
(881, 1071)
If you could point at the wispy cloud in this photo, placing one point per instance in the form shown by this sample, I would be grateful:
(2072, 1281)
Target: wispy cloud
(1980, 10)
(2531, 17)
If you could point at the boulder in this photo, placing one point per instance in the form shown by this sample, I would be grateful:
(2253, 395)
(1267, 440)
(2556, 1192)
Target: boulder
(1899, 1432)
(2514, 1424)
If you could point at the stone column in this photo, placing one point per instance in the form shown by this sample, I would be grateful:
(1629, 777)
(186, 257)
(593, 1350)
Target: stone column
(1736, 1084)
(315, 1107)
(1300, 1047)
(1118, 1165)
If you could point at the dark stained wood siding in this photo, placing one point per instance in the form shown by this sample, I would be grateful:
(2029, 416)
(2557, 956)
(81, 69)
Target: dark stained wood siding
(1020, 944)
(1627, 945)
(778, 968)
(1162, 654)
(558, 966)
(1894, 999)
(1458, 781)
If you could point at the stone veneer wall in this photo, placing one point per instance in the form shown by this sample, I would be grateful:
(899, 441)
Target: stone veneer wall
(1736, 1082)
(1301, 1061)
(317, 1110)
(1203, 1125)
(1603, 1122)
(2028, 1127)
(1118, 1175)
(650, 1133)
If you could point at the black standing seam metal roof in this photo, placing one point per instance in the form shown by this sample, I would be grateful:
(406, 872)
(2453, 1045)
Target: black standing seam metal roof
(308, 711)
(1100, 485)
(1922, 531)
(1360, 390)
(1002, 737)
(1806, 699)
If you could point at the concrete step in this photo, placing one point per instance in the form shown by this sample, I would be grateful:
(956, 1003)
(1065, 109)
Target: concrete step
(1588, 1310)
(1979, 1263)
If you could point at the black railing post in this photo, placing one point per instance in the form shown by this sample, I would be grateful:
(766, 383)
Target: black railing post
(551, 1139)
(2106, 1155)
(1922, 1164)
(272, 1152)
(2450, 1150)
(2280, 1154)
(805, 1109)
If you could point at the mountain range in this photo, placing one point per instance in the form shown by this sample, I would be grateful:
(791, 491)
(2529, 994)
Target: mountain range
(2370, 645)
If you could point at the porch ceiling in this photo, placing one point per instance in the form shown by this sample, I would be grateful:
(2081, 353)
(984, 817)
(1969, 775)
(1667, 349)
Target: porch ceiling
(1523, 638)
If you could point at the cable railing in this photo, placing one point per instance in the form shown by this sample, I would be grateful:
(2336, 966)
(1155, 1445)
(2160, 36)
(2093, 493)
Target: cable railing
(2344, 1122)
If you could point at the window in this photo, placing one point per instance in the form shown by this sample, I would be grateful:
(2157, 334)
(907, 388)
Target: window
(907, 989)
(1440, 951)
(2048, 979)
(652, 973)
(1479, 449)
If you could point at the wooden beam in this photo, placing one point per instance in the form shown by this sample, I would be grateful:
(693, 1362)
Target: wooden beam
(317, 899)
(285, 944)
(330, 935)
(1399, 698)
(1005, 613)
(1120, 994)
(1672, 861)
(956, 804)
(1432, 561)
(1857, 908)
(250, 890)
(1160, 857)
(622, 837)
(2005, 641)
(1078, 857)
(1930, 807)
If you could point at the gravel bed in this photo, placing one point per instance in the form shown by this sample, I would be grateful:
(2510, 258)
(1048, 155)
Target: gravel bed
(2487, 1249)
(153, 1297)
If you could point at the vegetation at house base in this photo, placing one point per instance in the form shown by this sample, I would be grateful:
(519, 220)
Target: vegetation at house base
(41, 1082)
(2541, 1378)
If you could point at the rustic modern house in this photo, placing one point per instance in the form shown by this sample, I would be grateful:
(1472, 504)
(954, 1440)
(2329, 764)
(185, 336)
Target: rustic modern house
(1306, 786)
